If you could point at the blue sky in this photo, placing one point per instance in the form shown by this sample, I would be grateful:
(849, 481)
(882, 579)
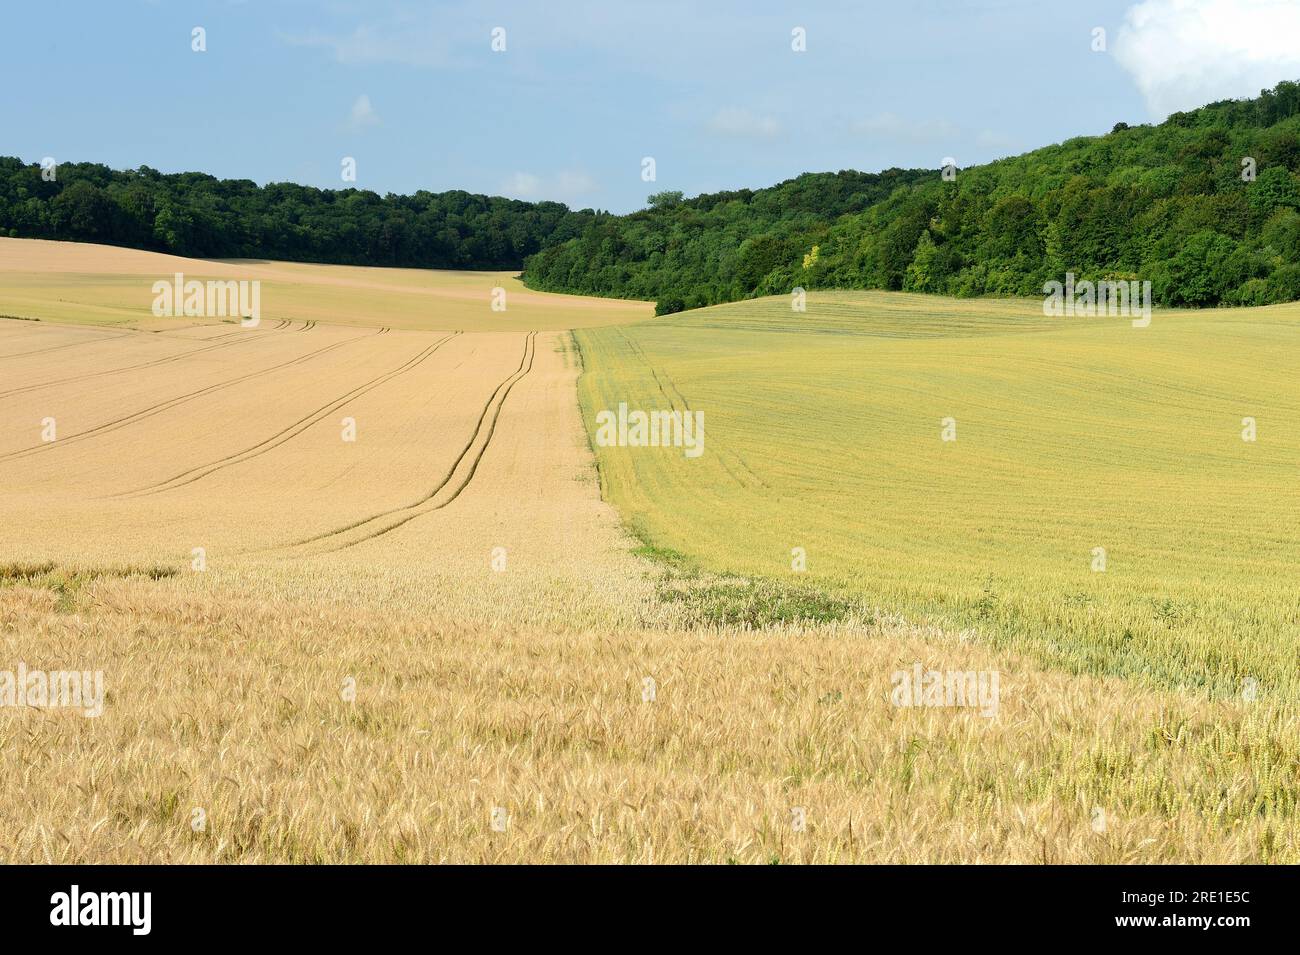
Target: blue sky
(585, 90)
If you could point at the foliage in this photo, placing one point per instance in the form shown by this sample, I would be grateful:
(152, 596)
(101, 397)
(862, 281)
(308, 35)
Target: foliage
(199, 215)
(685, 253)
(1163, 203)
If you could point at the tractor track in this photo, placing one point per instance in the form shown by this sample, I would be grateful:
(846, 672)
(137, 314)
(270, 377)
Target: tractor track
(90, 341)
(147, 364)
(201, 471)
(170, 403)
(637, 350)
(494, 404)
(110, 338)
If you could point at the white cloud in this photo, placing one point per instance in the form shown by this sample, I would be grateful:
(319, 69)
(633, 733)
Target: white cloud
(931, 142)
(406, 42)
(742, 123)
(1186, 53)
(913, 131)
(455, 33)
(363, 114)
(522, 185)
(993, 141)
(564, 186)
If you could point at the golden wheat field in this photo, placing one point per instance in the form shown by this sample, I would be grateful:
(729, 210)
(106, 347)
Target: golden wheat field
(105, 285)
(356, 597)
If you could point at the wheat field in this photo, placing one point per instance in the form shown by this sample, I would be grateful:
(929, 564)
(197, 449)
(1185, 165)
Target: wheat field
(439, 642)
(82, 283)
(1097, 506)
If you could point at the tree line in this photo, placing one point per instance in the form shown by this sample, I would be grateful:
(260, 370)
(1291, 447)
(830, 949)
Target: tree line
(198, 215)
(1205, 205)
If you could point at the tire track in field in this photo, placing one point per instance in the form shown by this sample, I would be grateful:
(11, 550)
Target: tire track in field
(637, 350)
(376, 526)
(114, 371)
(672, 404)
(167, 405)
(200, 341)
(89, 341)
(125, 334)
(685, 404)
(201, 471)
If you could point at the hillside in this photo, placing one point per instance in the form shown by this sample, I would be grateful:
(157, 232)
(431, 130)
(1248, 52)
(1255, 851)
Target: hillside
(352, 590)
(1070, 490)
(89, 284)
(1206, 206)
(686, 253)
(1166, 203)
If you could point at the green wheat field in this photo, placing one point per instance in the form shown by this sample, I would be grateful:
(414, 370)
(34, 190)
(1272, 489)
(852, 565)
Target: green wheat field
(824, 431)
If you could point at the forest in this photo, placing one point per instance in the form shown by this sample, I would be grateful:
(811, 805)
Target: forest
(198, 215)
(1205, 206)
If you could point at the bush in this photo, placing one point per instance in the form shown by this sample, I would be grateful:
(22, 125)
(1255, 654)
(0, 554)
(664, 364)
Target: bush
(1285, 283)
(1253, 292)
(670, 305)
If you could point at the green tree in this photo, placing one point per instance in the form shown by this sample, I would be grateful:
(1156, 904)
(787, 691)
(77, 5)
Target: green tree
(665, 200)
